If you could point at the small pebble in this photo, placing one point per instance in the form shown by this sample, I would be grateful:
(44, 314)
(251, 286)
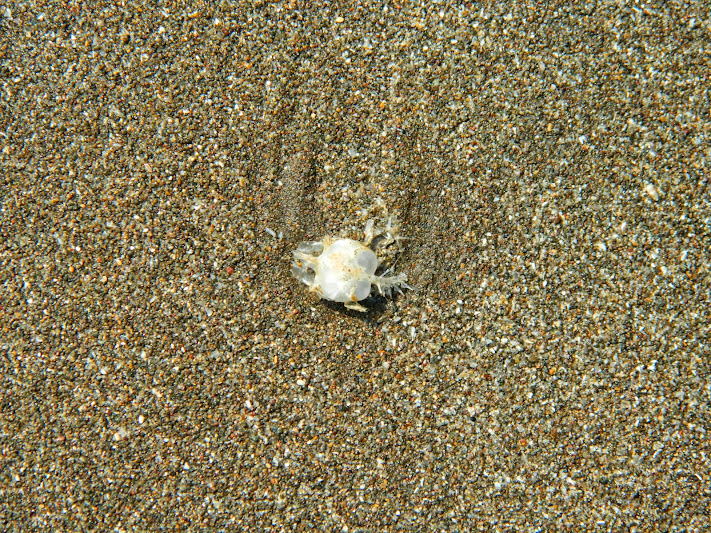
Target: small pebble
(651, 190)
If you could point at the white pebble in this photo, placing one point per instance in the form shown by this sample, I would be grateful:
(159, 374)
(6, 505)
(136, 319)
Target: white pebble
(651, 191)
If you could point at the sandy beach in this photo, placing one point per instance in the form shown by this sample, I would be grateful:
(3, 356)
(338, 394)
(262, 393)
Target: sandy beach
(162, 370)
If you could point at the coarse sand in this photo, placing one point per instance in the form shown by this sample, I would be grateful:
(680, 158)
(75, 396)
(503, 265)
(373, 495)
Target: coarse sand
(161, 369)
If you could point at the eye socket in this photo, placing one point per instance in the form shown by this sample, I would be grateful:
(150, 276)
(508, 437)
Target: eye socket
(304, 275)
